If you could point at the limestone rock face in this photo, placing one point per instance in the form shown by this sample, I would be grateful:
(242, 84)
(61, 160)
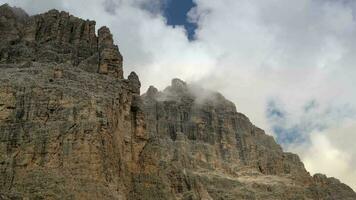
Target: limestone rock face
(207, 150)
(73, 136)
(57, 37)
(72, 127)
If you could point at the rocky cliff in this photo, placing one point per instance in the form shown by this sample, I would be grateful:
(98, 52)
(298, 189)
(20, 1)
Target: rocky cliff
(72, 127)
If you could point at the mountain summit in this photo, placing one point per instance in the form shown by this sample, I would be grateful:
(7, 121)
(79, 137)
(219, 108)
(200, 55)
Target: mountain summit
(72, 127)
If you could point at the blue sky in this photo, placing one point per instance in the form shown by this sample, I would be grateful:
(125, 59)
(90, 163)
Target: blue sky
(175, 11)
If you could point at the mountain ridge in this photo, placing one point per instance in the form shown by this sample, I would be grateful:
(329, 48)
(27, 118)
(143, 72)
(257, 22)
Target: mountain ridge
(72, 127)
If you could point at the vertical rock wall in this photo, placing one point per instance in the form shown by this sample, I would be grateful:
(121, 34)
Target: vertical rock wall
(69, 127)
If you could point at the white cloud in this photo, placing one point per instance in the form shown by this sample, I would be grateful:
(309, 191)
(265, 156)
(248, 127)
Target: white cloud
(325, 155)
(251, 51)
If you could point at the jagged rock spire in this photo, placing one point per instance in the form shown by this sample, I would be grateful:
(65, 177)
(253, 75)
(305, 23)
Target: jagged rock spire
(178, 84)
(152, 92)
(110, 59)
(134, 82)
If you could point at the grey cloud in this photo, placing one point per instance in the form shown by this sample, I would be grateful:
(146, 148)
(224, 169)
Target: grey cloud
(111, 6)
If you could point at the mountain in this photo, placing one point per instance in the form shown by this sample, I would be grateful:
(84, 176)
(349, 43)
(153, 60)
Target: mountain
(72, 127)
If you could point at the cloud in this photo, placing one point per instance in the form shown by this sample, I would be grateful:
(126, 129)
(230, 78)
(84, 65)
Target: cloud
(297, 128)
(324, 155)
(322, 135)
(286, 64)
(35, 6)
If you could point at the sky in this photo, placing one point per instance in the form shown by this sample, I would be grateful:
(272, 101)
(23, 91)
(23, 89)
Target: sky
(175, 12)
(288, 65)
